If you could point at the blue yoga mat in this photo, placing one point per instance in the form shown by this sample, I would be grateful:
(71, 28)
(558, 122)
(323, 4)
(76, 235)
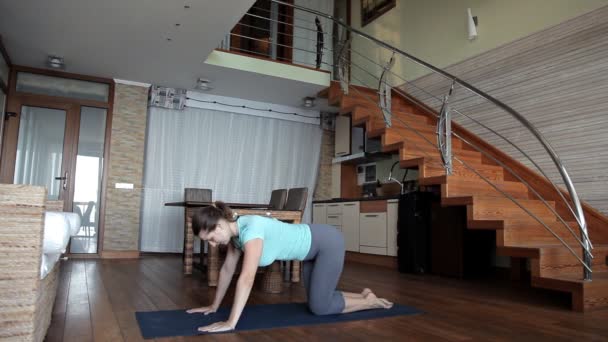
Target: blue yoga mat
(155, 324)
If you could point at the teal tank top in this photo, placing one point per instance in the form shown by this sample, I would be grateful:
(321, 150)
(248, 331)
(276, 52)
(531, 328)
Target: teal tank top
(282, 241)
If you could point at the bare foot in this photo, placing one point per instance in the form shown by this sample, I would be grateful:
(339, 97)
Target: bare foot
(378, 303)
(365, 292)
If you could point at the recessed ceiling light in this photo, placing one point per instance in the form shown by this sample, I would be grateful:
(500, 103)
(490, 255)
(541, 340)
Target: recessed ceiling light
(55, 62)
(203, 84)
(309, 102)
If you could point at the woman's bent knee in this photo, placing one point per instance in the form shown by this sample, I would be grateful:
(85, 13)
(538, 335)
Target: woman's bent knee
(320, 308)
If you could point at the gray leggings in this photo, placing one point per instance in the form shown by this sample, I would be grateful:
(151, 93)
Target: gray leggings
(322, 269)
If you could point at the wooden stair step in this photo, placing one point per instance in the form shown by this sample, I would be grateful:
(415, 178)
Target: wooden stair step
(419, 136)
(336, 95)
(391, 137)
(389, 143)
(497, 208)
(463, 155)
(493, 208)
(533, 233)
(460, 186)
(586, 295)
(405, 155)
(558, 261)
(360, 113)
(374, 127)
(324, 94)
(426, 167)
(419, 150)
(406, 115)
(414, 127)
(370, 100)
(491, 172)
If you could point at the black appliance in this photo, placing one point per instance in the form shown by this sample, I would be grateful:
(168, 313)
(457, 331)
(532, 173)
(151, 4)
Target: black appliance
(413, 232)
(435, 239)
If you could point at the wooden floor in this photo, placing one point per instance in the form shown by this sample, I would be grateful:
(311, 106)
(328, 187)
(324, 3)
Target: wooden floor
(97, 300)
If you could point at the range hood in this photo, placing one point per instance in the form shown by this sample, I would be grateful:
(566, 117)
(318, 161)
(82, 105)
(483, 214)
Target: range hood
(361, 158)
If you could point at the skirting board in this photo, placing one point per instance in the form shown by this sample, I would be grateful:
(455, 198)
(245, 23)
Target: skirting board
(120, 254)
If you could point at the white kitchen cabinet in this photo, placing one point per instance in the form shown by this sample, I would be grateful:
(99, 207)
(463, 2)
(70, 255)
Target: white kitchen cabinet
(334, 215)
(372, 232)
(334, 220)
(350, 225)
(392, 212)
(342, 142)
(319, 213)
(334, 208)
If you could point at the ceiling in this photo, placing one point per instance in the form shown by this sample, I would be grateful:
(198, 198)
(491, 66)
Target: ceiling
(139, 40)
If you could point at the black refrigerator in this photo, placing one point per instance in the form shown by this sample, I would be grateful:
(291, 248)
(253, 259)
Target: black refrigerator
(435, 239)
(413, 232)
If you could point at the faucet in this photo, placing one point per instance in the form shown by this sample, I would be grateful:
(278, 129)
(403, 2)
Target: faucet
(391, 179)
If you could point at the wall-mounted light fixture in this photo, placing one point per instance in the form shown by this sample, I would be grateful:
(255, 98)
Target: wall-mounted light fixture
(203, 84)
(55, 62)
(309, 102)
(471, 25)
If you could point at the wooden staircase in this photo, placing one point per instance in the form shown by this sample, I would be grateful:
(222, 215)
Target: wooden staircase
(518, 235)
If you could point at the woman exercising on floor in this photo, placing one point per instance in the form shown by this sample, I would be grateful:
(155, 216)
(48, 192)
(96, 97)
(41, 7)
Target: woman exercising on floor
(265, 240)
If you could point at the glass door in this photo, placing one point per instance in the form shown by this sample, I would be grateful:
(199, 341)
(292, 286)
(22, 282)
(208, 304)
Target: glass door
(62, 149)
(41, 157)
(88, 175)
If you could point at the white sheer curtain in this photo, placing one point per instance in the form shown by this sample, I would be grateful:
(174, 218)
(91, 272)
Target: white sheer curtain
(242, 158)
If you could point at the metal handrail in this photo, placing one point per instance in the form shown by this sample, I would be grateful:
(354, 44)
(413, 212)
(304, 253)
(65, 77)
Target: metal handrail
(579, 215)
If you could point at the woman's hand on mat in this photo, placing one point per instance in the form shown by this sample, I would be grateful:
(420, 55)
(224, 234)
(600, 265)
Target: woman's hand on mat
(204, 310)
(217, 327)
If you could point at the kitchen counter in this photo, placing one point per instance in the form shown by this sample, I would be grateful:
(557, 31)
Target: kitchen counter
(360, 199)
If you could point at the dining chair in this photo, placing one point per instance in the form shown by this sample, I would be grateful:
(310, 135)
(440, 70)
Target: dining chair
(87, 221)
(296, 199)
(278, 198)
(197, 195)
(273, 281)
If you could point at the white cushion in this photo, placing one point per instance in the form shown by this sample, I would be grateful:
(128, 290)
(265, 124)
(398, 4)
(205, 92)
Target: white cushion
(56, 232)
(74, 221)
(48, 262)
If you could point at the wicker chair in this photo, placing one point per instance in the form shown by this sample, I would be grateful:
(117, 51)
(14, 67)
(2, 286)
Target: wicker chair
(26, 301)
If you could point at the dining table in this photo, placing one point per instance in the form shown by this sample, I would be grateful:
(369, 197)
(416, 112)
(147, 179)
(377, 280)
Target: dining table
(213, 253)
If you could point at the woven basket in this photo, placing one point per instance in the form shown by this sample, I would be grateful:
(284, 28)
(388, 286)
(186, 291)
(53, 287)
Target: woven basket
(26, 302)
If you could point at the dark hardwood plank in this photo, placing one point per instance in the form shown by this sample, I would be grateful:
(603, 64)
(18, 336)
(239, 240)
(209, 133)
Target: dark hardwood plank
(104, 322)
(77, 316)
(488, 309)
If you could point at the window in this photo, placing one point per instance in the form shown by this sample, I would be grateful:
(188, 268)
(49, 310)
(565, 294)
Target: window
(64, 87)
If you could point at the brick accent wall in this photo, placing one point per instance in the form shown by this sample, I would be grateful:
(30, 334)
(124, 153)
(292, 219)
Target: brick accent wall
(323, 187)
(126, 165)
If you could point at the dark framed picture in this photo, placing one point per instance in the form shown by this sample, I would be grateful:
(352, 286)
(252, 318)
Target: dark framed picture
(372, 9)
